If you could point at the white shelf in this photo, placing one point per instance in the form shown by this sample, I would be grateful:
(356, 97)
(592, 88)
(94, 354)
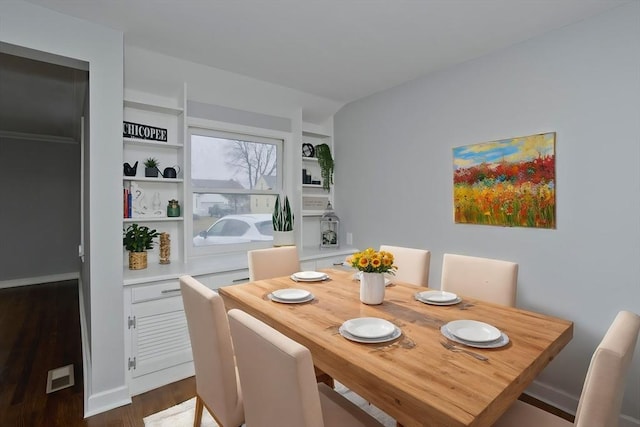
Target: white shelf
(149, 179)
(310, 159)
(154, 219)
(312, 185)
(149, 143)
(312, 213)
(157, 108)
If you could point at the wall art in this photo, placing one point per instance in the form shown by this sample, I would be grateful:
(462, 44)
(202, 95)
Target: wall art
(510, 182)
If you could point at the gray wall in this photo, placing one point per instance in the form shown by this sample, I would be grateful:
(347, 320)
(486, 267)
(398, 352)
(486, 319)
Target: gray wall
(394, 176)
(40, 208)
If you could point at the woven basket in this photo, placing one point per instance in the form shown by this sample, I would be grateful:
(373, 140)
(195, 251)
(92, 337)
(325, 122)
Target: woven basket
(137, 260)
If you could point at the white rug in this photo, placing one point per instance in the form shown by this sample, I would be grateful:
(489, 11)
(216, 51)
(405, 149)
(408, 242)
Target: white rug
(182, 415)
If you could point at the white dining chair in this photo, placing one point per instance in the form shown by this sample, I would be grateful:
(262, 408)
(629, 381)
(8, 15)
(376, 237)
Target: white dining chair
(486, 279)
(217, 384)
(413, 264)
(276, 262)
(273, 262)
(295, 399)
(601, 398)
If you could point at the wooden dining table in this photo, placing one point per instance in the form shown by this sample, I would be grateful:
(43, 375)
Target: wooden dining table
(413, 378)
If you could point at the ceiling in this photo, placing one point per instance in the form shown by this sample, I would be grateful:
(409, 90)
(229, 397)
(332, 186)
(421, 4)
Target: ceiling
(341, 50)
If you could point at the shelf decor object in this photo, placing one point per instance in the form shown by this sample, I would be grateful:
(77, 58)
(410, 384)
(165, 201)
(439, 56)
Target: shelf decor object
(139, 131)
(283, 218)
(165, 248)
(329, 228)
(137, 239)
(325, 160)
(151, 167)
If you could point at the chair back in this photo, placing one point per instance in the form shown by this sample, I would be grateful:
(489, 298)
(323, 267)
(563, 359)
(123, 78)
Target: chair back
(276, 373)
(603, 388)
(413, 264)
(273, 262)
(482, 278)
(213, 357)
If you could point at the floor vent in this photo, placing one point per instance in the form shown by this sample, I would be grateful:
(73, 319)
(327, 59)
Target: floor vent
(60, 378)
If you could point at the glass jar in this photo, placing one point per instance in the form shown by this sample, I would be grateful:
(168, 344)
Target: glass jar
(173, 208)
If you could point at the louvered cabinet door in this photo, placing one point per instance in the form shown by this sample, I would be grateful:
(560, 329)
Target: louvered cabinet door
(159, 334)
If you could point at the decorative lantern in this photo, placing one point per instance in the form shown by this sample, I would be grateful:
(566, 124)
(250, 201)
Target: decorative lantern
(329, 228)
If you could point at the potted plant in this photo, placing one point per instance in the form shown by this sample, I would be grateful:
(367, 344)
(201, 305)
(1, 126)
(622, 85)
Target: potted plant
(283, 234)
(137, 239)
(325, 161)
(372, 265)
(151, 167)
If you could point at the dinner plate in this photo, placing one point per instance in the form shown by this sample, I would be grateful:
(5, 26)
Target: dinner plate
(500, 342)
(453, 302)
(285, 301)
(394, 335)
(473, 331)
(358, 275)
(309, 276)
(291, 294)
(438, 296)
(369, 327)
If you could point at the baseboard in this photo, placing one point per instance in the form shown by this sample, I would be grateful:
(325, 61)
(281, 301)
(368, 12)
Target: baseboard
(13, 283)
(107, 400)
(567, 402)
(86, 349)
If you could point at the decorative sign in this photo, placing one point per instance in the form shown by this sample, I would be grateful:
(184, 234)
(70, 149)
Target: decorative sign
(314, 203)
(136, 130)
(511, 182)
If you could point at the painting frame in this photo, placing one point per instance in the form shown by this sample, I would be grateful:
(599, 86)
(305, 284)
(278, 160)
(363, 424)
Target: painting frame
(509, 182)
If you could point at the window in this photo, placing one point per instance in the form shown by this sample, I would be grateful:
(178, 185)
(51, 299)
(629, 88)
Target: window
(234, 181)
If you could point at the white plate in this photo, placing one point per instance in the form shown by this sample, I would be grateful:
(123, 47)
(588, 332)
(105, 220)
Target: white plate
(357, 276)
(309, 276)
(500, 342)
(455, 301)
(437, 296)
(369, 327)
(473, 331)
(395, 334)
(291, 294)
(284, 301)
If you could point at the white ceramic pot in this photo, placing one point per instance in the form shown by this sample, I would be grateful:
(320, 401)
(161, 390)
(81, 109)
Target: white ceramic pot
(372, 288)
(284, 238)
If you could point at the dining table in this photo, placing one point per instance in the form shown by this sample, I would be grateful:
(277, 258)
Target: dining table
(414, 377)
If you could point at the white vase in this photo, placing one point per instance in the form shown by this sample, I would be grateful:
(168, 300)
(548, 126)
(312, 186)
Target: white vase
(284, 238)
(372, 288)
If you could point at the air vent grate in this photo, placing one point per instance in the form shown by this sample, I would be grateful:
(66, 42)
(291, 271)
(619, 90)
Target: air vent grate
(60, 378)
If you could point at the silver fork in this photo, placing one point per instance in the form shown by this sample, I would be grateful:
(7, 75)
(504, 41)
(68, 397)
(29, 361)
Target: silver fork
(453, 347)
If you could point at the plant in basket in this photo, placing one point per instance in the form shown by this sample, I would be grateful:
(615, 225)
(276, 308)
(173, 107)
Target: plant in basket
(137, 239)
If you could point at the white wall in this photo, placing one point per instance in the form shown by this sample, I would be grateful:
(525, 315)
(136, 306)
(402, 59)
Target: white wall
(25, 25)
(394, 176)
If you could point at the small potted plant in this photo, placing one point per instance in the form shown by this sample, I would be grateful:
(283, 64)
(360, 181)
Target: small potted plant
(137, 239)
(325, 161)
(372, 265)
(283, 234)
(151, 167)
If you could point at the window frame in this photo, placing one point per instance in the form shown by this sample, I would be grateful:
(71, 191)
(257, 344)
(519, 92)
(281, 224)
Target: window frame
(283, 141)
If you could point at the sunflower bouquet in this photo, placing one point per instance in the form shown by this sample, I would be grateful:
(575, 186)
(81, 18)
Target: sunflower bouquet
(372, 261)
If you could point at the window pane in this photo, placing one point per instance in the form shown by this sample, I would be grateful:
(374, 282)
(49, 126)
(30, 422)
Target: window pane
(233, 163)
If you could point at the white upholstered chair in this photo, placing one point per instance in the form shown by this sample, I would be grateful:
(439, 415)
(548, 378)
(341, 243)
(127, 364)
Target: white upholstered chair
(482, 278)
(276, 262)
(217, 383)
(273, 262)
(413, 264)
(602, 392)
(278, 384)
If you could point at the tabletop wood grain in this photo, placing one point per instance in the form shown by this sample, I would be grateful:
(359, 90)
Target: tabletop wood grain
(414, 378)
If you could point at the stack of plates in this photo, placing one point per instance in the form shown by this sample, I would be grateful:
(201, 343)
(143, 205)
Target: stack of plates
(358, 275)
(369, 330)
(291, 296)
(438, 297)
(474, 334)
(309, 276)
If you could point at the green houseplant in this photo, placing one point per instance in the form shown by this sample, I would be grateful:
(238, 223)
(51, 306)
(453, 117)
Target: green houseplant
(283, 223)
(137, 239)
(151, 167)
(325, 161)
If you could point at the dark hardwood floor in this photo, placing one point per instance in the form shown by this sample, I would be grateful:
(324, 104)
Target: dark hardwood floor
(40, 331)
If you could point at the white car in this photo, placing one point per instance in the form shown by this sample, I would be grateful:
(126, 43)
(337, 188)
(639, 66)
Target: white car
(232, 229)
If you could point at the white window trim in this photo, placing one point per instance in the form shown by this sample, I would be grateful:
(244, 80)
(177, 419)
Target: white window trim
(287, 185)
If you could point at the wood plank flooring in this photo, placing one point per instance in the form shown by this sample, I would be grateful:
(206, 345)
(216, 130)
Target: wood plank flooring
(39, 331)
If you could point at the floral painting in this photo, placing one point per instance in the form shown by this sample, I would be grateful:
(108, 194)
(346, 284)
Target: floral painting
(510, 182)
